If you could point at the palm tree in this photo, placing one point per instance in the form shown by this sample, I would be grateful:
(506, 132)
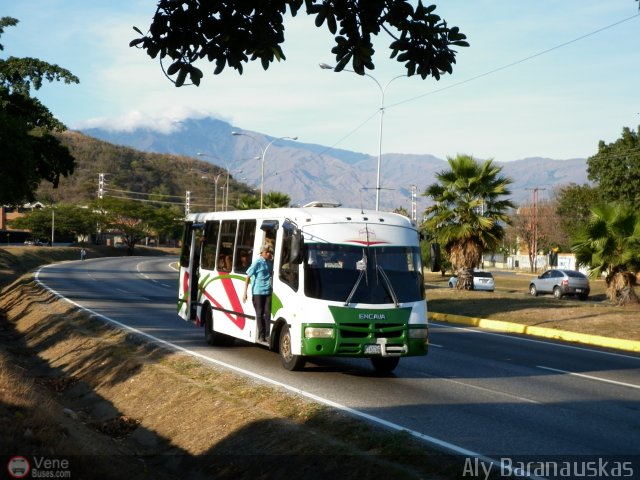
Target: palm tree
(271, 200)
(468, 212)
(276, 200)
(248, 202)
(609, 244)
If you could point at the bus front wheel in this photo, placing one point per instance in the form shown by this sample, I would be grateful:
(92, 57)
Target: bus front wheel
(289, 361)
(385, 364)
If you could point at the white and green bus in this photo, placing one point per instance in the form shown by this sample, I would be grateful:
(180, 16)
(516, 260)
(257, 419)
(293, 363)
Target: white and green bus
(346, 282)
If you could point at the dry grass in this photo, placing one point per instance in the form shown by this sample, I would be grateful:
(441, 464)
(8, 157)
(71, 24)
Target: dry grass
(511, 302)
(71, 385)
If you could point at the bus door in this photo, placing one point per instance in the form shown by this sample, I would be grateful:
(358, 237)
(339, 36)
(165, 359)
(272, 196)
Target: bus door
(190, 266)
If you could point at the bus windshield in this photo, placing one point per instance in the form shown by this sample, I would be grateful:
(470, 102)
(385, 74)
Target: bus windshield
(357, 274)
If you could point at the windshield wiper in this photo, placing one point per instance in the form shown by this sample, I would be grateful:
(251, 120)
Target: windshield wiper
(362, 266)
(389, 288)
(355, 287)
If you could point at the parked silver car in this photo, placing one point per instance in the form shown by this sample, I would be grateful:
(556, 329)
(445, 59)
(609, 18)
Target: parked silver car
(481, 281)
(561, 283)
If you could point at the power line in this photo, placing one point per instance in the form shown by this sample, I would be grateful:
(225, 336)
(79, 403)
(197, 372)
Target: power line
(142, 193)
(517, 62)
(485, 74)
(144, 200)
(375, 114)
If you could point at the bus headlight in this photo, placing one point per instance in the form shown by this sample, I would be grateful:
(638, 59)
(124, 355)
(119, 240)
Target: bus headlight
(318, 332)
(418, 333)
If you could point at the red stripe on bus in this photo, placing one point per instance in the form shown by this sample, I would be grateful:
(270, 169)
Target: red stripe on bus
(236, 305)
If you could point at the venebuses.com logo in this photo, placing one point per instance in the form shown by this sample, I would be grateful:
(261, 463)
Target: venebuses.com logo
(38, 467)
(18, 467)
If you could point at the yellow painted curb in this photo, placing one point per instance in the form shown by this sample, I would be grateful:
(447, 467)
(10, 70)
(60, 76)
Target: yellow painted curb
(509, 327)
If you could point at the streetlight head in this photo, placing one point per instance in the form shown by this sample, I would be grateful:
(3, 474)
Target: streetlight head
(325, 66)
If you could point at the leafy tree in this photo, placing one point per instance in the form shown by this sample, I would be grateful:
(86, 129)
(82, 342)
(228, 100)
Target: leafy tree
(31, 154)
(609, 244)
(573, 206)
(72, 220)
(537, 227)
(616, 168)
(67, 220)
(230, 33)
(38, 222)
(129, 218)
(167, 223)
(468, 212)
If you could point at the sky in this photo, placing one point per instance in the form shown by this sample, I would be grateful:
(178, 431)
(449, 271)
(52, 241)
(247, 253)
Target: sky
(542, 78)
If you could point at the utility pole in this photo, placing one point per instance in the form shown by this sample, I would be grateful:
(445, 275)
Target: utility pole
(534, 229)
(100, 185)
(414, 204)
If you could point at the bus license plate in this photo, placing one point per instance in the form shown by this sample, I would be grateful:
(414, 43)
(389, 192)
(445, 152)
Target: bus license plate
(372, 349)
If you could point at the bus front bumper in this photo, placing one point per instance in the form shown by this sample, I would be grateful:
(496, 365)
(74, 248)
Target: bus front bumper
(391, 341)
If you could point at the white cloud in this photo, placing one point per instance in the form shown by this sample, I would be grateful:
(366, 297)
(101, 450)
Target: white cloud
(166, 123)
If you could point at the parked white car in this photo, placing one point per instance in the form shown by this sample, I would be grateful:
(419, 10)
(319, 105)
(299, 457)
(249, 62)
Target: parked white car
(32, 241)
(482, 280)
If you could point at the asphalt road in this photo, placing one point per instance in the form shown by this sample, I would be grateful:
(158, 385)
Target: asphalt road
(492, 394)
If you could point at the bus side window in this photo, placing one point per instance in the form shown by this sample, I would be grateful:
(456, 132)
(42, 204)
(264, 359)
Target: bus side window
(289, 271)
(244, 245)
(270, 230)
(185, 252)
(225, 248)
(210, 243)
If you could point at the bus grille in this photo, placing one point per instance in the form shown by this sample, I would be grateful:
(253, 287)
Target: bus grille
(353, 336)
(371, 330)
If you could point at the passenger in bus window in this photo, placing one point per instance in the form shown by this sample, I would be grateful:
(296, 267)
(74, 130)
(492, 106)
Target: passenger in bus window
(261, 271)
(244, 261)
(224, 262)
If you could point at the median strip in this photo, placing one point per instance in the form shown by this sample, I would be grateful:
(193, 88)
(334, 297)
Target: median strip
(510, 327)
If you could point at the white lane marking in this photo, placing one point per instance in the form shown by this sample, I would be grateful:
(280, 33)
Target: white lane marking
(522, 339)
(126, 292)
(490, 390)
(144, 275)
(590, 377)
(141, 273)
(380, 421)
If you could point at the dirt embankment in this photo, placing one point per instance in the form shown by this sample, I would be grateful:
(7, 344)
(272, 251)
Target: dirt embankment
(75, 389)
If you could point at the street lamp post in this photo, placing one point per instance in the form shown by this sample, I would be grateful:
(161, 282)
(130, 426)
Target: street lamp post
(264, 153)
(216, 178)
(226, 166)
(382, 89)
(226, 195)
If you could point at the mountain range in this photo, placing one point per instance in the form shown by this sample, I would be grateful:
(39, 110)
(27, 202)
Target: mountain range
(308, 172)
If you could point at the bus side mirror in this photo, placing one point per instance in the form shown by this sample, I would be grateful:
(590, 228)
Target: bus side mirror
(296, 246)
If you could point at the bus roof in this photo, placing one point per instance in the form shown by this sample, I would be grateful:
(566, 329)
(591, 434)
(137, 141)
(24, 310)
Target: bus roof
(309, 215)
